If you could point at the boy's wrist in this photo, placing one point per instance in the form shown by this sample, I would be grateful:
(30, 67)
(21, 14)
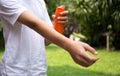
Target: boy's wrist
(67, 45)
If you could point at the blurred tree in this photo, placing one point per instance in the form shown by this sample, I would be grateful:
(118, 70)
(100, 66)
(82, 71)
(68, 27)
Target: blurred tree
(109, 11)
(94, 18)
(1, 38)
(116, 23)
(51, 5)
(85, 13)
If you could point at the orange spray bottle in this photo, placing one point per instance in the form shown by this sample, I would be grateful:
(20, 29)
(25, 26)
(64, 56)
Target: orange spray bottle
(58, 26)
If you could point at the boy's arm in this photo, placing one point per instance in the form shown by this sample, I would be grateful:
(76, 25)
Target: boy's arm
(77, 50)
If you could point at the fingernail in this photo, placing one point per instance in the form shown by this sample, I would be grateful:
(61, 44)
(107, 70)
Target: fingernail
(61, 13)
(58, 17)
(96, 52)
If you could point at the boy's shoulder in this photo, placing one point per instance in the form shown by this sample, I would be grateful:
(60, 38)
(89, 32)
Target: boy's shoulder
(7, 2)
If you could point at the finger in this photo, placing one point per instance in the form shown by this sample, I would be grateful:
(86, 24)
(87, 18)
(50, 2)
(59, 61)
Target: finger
(64, 13)
(81, 61)
(93, 60)
(62, 18)
(89, 48)
(62, 22)
(87, 57)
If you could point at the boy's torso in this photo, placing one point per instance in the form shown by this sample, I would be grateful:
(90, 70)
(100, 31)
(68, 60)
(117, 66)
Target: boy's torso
(24, 48)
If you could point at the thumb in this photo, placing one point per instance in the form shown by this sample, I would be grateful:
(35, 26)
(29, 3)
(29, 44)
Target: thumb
(89, 48)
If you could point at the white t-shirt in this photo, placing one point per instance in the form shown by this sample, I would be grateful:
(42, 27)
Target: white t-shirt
(24, 48)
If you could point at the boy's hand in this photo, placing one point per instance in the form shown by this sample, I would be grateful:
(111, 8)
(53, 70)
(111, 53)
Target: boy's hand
(79, 54)
(63, 19)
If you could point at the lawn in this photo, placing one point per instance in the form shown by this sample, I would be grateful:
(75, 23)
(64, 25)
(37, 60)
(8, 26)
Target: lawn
(61, 64)
(1, 53)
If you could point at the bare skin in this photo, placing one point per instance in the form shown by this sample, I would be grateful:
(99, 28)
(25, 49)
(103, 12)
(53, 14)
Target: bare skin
(77, 50)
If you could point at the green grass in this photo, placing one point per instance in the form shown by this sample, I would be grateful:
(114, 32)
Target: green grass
(1, 53)
(61, 64)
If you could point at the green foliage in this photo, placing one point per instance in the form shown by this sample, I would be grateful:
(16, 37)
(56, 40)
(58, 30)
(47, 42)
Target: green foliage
(110, 15)
(94, 18)
(52, 5)
(86, 13)
(1, 38)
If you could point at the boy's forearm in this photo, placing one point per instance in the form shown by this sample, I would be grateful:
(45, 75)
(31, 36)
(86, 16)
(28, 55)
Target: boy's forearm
(51, 34)
(42, 28)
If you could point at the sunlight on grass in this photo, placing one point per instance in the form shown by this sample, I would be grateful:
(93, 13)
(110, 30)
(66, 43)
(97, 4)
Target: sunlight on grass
(61, 64)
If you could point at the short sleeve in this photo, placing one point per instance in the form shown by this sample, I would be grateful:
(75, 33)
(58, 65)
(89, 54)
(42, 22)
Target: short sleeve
(10, 10)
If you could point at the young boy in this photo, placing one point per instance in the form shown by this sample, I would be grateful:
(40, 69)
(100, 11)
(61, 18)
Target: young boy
(26, 26)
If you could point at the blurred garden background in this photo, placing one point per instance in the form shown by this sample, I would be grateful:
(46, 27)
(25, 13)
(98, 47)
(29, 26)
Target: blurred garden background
(96, 22)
